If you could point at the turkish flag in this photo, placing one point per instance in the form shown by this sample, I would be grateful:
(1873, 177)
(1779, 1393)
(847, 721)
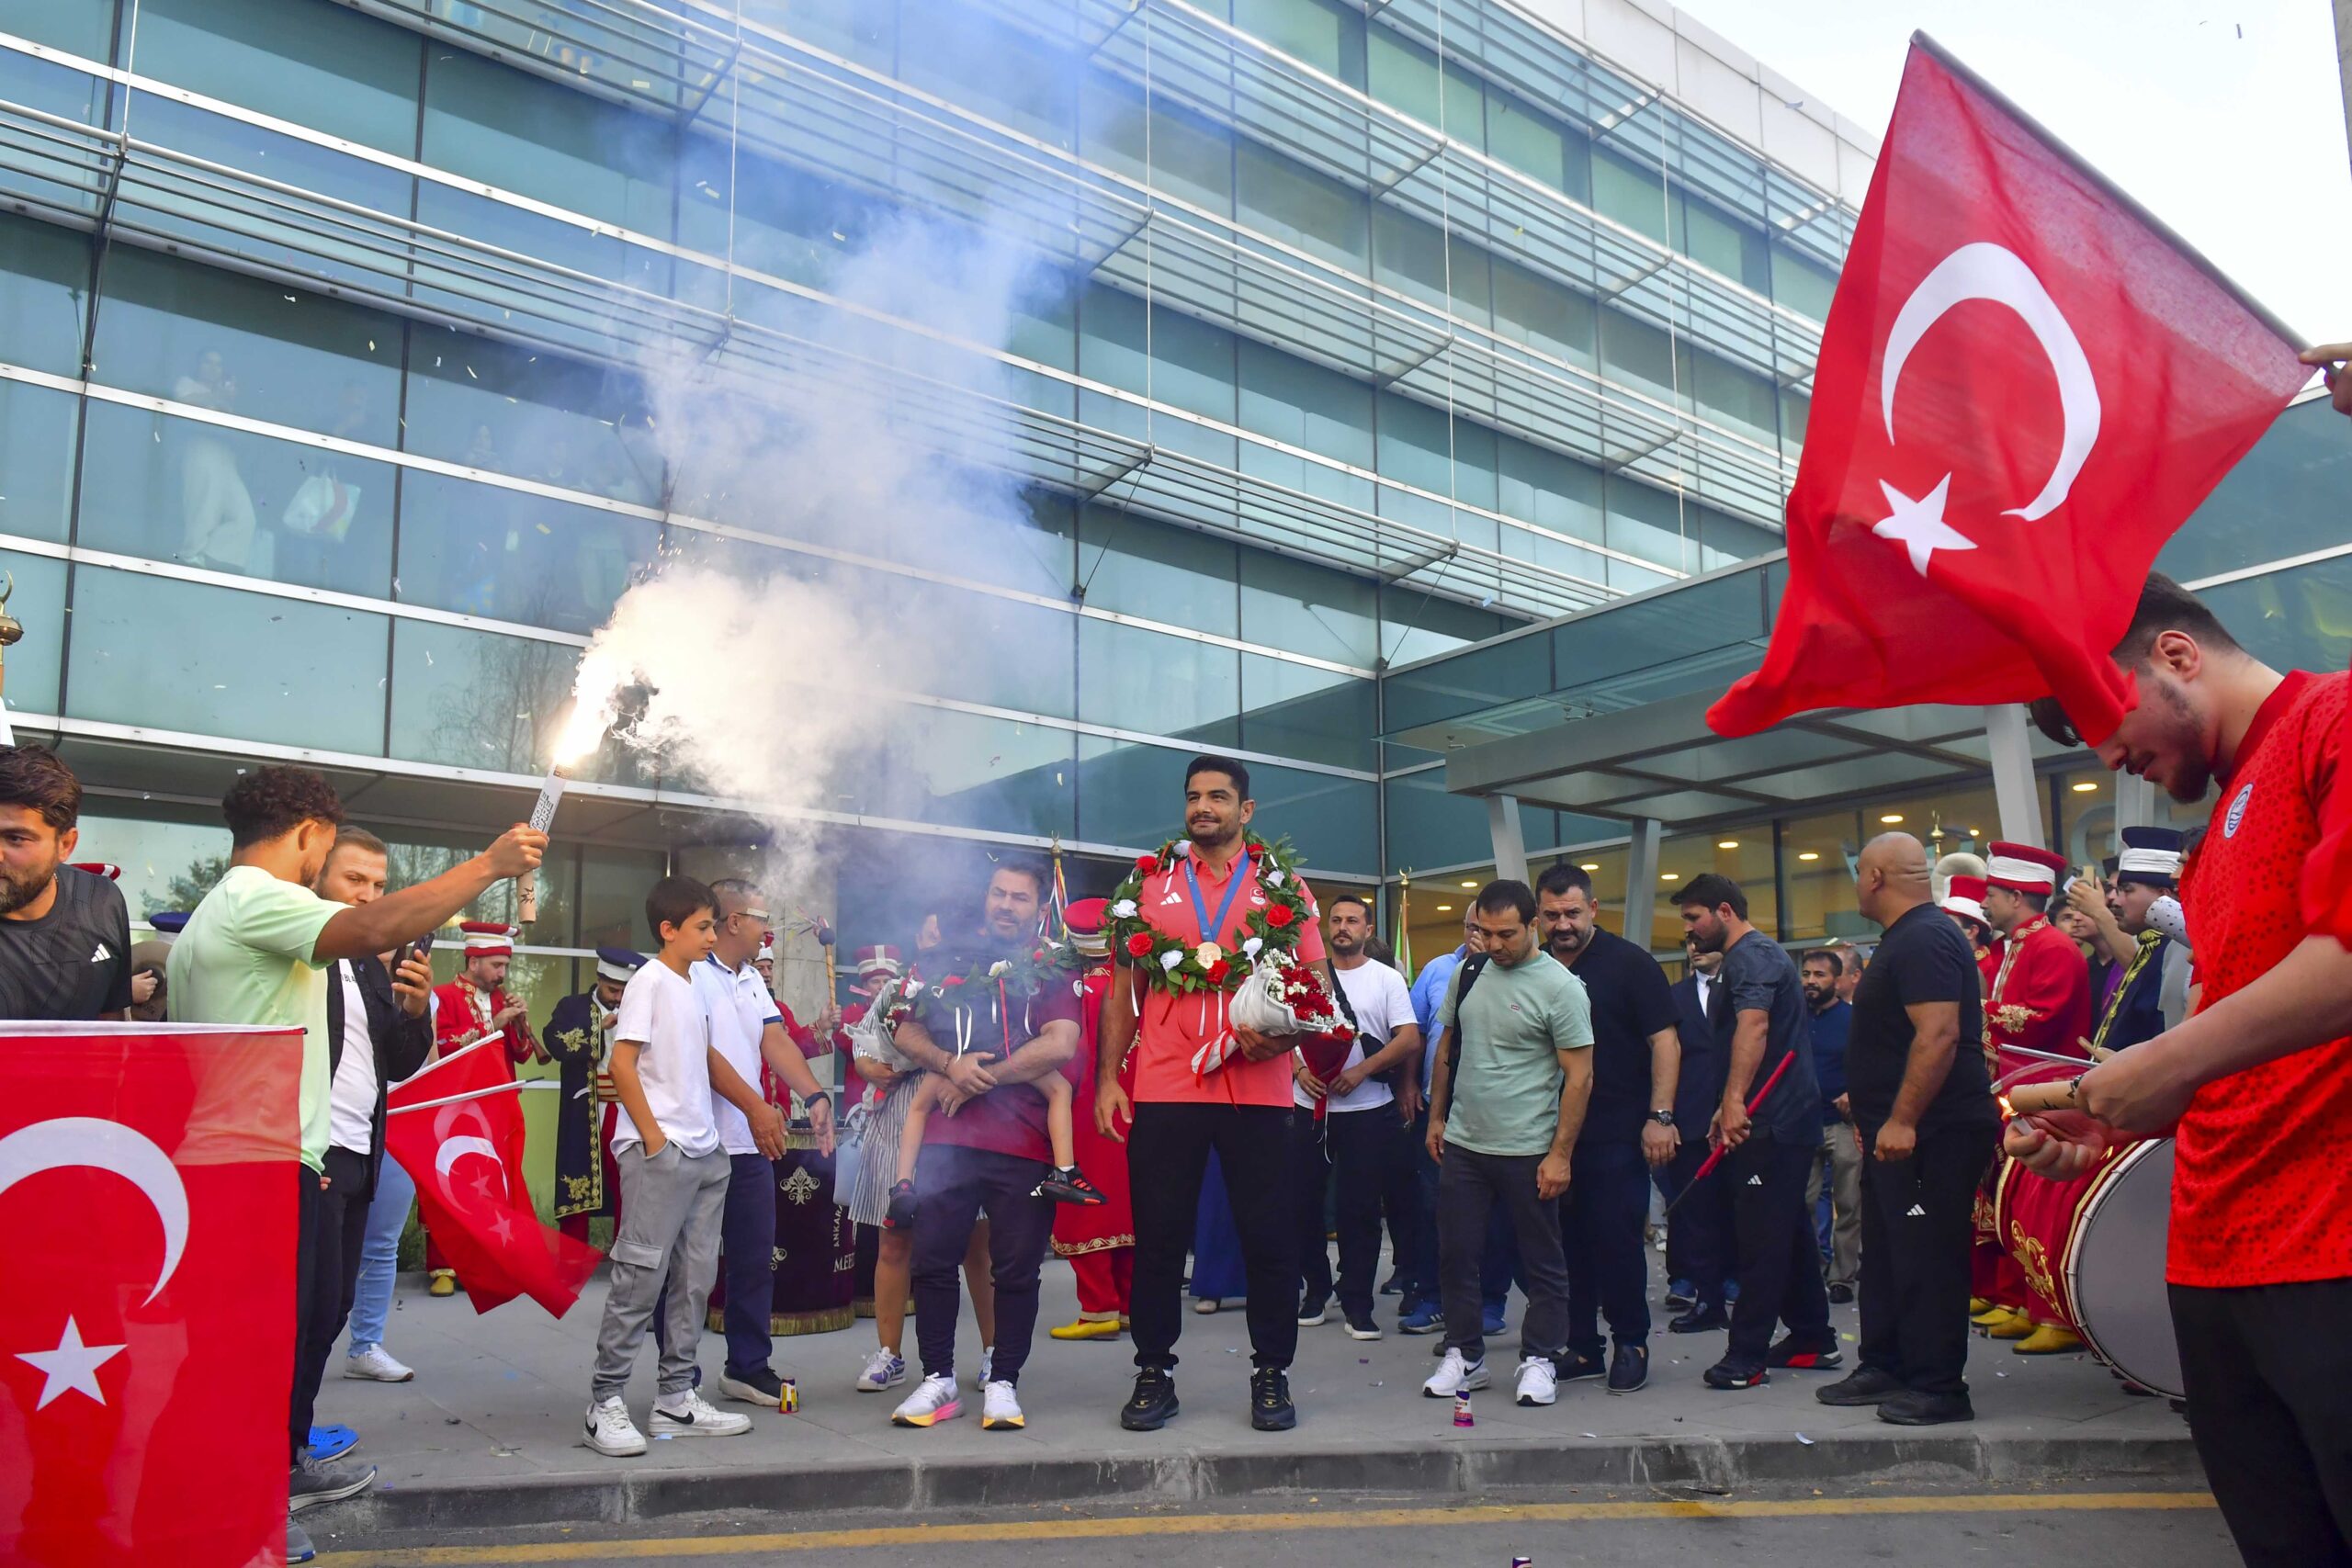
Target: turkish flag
(147, 1192)
(2025, 386)
(465, 1155)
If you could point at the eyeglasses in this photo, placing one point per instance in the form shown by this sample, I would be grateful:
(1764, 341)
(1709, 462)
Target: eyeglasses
(759, 914)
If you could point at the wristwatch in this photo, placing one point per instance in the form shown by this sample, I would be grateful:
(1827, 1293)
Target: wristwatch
(809, 1099)
(1662, 1118)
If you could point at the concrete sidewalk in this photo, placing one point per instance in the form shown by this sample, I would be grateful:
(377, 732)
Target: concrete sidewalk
(490, 1432)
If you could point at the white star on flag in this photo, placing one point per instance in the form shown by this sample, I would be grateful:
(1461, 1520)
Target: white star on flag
(72, 1368)
(1919, 525)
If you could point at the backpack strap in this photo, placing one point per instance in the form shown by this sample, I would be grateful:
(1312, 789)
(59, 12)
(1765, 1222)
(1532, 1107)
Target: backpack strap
(1464, 977)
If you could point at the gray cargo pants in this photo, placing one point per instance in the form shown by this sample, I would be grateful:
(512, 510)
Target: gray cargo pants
(671, 1207)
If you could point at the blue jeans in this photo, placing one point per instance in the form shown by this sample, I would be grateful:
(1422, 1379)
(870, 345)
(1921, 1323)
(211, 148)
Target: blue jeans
(747, 1239)
(379, 1254)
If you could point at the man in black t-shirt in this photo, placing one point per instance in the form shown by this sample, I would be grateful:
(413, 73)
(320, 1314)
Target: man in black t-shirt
(64, 934)
(1772, 1145)
(1923, 1103)
(1629, 1130)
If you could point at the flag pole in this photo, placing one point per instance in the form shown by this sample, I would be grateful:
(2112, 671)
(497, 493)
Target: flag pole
(2089, 171)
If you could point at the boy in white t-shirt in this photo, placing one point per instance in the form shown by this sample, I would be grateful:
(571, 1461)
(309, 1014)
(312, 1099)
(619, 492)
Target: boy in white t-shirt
(673, 1176)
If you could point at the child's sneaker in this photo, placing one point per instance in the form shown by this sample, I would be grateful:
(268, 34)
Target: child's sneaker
(693, 1417)
(883, 1369)
(1068, 1184)
(901, 1214)
(935, 1400)
(610, 1431)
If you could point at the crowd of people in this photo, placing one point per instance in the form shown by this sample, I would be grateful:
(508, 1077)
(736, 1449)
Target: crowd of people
(1818, 1126)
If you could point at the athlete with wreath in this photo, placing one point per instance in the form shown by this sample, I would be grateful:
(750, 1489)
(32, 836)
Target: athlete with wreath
(1192, 926)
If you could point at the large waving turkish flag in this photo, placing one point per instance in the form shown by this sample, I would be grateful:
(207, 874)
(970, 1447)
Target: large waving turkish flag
(147, 1199)
(2025, 386)
(456, 1128)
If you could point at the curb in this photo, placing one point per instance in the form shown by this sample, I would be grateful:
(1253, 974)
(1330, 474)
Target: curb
(1706, 1464)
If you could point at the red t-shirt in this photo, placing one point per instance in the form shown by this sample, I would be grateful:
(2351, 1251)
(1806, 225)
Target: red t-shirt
(1172, 1028)
(1010, 1120)
(2261, 1193)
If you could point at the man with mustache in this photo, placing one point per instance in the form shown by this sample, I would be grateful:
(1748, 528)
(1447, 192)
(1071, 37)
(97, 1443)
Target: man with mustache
(64, 934)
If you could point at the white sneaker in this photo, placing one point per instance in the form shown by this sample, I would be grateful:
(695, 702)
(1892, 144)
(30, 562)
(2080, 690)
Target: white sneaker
(1539, 1380)
(695, 1417)
(987, 1374)
(1001, 1409)
(883, 1370)
(375, 1364)
(935, 1400)
(610, 1431)
(1455, 1376)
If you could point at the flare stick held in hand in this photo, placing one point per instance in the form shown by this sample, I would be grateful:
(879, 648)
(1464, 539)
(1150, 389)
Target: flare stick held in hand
(1715, 1155)
(526, 886)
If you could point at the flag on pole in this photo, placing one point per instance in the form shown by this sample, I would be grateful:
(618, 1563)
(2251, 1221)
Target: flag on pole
(148, 1189)
(1404, 925)
(2026, 385)
(456, 1128)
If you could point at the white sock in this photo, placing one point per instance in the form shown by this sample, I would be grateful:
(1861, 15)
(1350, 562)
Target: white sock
(673, 1404)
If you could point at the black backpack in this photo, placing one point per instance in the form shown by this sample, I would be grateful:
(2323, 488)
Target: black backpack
(1467, 976)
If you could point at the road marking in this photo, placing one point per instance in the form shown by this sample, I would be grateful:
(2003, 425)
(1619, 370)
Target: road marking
(1067, 1528)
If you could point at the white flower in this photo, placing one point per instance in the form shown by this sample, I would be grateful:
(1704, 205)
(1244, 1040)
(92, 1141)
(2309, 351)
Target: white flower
(1207, 953)
(1002, 966)
(1173, 957)
(1125, 910)
(1274, 879)
(1251, 948)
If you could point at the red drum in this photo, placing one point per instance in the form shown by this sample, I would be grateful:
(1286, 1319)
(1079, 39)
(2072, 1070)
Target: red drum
(816, 1250)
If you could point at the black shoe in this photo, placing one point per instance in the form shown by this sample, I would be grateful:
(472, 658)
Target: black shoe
(1068, 1185)
(1571, 1366)
(901, 1213)
(758, 1386)
(1729, 1373)
(1912, 1408)
(1863, 1385)
(1839, 1295)
(1675, 1301)
(1153, 1403)
(1313, 1311)
(1805, 1355)
(1629, 1368)
(1395, 1284)
(1270, 1406)
(1707, 1317)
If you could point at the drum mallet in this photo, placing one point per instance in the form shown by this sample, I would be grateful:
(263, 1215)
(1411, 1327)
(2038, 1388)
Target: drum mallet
(1715, 1155)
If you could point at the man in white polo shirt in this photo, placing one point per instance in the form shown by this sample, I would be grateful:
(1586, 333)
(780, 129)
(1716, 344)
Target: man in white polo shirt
(746, 1028)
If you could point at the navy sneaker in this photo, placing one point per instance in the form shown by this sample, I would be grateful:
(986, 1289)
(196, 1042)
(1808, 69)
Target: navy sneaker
(1492, 1323)
(1422, 1319)
(1573, 1366)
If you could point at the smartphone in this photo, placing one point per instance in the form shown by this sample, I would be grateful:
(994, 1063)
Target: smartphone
(420, 948)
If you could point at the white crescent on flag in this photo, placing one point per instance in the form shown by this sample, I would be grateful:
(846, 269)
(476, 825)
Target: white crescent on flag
(99, 1145)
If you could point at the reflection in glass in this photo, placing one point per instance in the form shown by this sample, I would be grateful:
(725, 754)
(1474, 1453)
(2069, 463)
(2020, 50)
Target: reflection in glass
(1157, 685)
(39, 603)
(477, 700)
(36, 461)
(479, 550)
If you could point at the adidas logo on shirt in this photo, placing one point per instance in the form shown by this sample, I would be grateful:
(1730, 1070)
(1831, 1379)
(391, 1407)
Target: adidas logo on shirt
(1915, 1212)
(101, 955)
(1756, 1181)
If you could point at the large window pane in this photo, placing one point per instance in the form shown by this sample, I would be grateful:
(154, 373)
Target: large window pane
(482, 550)
(535, 416)
(1630, 194)
(171, 855)
(1130, 794)
(2285, 497)
(39, 603)
(1404, 75)
(1288, 202)
(1192, 159)
(1548, 317)
(2299, 619)
(1310, 408)
(613, 885)
(322, 66)
(1008, 78)
(1649, 523)
(1133, 566)
(36, 460)
(1306, 609)
(1296, 710)
(80, 27)
(205, 495)
(1332, 821)
(1801, 285)
(1408, 256)
(44, 279)
(1327, 36)
(293, 674)
(962, 769)
(1157, 685)
(522, 133)
(854, 29)
(236, 344)
(1415, 624)
(476, 700)
(1428, 827)
(1179, 361)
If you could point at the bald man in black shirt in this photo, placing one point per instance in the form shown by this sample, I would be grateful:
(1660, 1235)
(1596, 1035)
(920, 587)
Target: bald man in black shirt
(64, 934)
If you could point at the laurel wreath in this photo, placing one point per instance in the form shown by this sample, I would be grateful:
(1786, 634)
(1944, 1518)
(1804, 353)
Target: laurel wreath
(1171, 964)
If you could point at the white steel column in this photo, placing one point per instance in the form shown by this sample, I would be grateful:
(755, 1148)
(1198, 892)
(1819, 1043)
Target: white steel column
(1511, 839)
(2014, 786)
(1641, 882)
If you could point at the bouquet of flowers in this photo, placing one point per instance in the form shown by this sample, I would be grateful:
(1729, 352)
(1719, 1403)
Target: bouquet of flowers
(1283, 997)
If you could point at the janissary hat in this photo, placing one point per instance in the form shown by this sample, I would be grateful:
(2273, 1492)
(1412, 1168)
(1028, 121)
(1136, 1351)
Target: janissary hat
(488, 939)
(617, 964)
(767, 948)
(97, 868)
(2024, 868)
(1089, 923)
(2151, 855)
(1966, 897)
(170, 922)
(876, 964)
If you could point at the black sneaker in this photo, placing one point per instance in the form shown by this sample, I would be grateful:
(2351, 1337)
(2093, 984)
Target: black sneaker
(1363, 1327)
(1805, 1355)
(1863, 1385)
(1270, 1406)
(1840, 1295)
(1730, 1373)
(1704, 1318)
(1629, 1368)
(1395, 1284)
(902, 1214)
(1068, 1184)
(1152, 1405)
(1572, 1365)
(1679, 1301)
(1313, 1311)
(758, 1386)
(1912, 1408)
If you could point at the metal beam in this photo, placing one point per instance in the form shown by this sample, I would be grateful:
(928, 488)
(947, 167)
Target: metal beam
(1641, 882)
(2016, 791)
(1511, 839)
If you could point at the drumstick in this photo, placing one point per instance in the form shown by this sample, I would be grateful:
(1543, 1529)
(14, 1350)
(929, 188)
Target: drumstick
(1715, 1155)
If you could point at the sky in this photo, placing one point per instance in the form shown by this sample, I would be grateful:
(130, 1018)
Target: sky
(2224, 117)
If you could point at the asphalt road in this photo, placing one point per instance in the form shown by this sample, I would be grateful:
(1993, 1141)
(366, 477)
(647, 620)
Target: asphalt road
(1790, 1528)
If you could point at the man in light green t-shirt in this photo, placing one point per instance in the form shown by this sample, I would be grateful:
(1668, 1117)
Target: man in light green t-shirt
(1504, 1114)
(256, 952)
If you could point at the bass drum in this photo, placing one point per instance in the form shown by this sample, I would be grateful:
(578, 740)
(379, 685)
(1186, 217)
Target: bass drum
(815, 1261)
(2115, 1267)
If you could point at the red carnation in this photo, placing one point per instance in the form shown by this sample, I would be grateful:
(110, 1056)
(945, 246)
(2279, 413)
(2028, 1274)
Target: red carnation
(952, 980)
(1280, 916)
(1147, 864)
(1218, 970)
(1254, 850)
(1139, 945)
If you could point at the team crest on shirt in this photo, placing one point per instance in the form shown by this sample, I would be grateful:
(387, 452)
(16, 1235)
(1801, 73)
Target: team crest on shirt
(2237, 812)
